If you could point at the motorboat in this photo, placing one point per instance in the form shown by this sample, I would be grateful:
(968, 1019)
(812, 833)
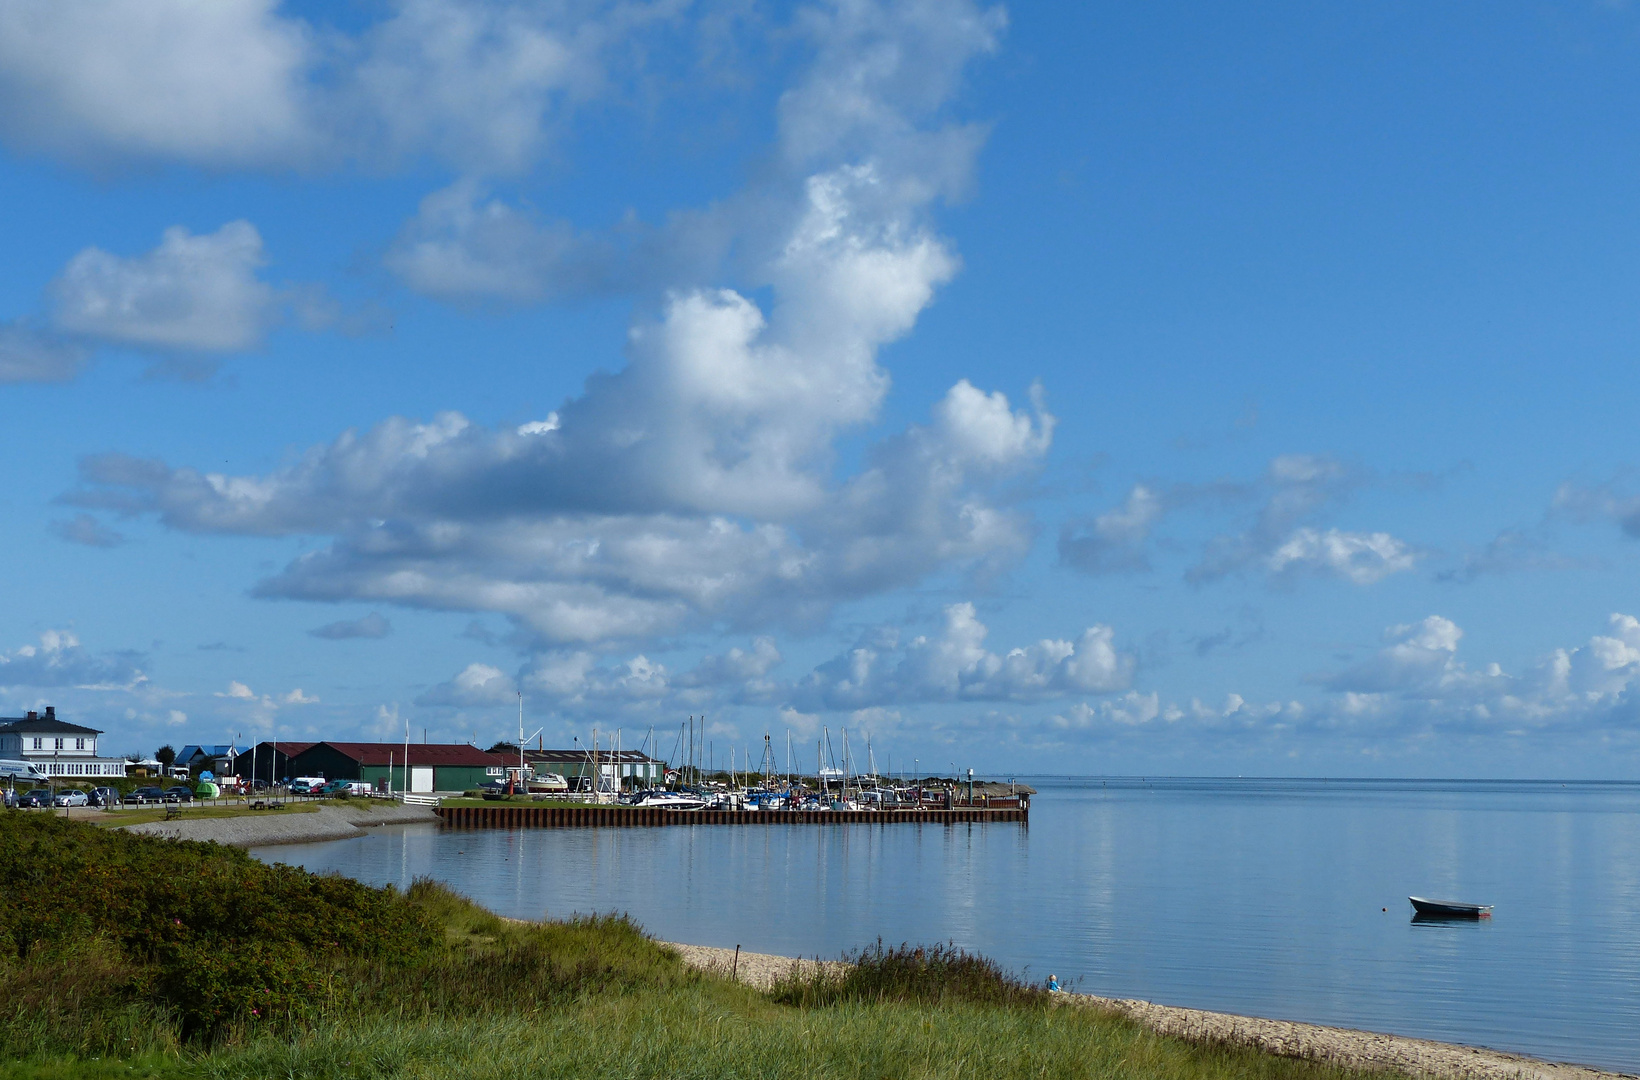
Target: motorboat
(670, 800)
(1449, 909)
(547, 783)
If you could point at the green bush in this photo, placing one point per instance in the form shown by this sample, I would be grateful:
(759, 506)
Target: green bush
(207, 934)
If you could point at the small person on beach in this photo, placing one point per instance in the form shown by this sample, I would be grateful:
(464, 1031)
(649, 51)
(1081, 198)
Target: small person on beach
(1053, 984)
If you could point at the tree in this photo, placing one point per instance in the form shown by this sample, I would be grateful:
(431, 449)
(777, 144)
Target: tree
(165, 756)
(510, 749)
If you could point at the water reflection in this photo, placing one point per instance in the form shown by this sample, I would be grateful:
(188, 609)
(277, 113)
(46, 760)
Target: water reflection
(1275, 898)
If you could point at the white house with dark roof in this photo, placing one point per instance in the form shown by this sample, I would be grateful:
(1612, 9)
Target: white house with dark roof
(217, 757)
(56, 747)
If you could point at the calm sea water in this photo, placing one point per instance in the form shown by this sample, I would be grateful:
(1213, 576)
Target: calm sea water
(1262, 897)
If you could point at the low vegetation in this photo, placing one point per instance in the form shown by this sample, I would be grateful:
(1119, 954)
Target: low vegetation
(131, 957)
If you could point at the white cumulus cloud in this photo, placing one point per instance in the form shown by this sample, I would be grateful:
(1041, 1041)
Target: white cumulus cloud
(1360, 558)
(955, 665)
(192, 293)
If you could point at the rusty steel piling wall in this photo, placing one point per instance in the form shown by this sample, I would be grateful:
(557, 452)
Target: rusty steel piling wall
(572, 816)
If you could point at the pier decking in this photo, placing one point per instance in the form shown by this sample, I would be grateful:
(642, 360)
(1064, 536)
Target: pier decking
(618, 816)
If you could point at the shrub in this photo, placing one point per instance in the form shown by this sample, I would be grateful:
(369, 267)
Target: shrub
(208, 934)
(908, 973)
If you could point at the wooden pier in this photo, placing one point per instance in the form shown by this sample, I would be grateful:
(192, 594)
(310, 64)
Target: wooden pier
(505, 817)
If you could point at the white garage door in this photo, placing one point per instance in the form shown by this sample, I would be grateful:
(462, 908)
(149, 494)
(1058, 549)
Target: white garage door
(421, 778)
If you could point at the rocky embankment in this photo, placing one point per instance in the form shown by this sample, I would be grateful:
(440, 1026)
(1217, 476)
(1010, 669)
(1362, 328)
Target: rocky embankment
(334, 821)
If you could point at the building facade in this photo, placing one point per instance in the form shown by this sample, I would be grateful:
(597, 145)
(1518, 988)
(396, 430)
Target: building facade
(433, 767)
(56, 747)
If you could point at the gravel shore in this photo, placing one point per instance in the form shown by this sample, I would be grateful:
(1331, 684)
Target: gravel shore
(339, 821)
(1337, 1046)
(761, 970)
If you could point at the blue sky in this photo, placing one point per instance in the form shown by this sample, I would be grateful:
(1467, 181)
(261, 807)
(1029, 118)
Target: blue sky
(1097, 388)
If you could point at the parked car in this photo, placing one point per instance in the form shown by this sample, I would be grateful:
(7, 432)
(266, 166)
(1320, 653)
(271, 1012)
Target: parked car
(71, 797)
(307, 785)
(104, 796)
(38, 797)
(180, 793)
(144, 795)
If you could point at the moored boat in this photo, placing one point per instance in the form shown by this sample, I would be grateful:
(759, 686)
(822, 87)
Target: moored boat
(670, 800)
(1450, 909)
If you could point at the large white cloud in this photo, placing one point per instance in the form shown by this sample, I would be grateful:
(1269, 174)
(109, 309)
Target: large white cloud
(480, 84)
(697, 485)
(222, 83)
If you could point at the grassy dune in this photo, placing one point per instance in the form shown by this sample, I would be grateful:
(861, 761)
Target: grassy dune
(324, 978)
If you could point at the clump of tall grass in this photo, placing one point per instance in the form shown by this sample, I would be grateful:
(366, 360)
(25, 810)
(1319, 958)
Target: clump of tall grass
(906, 973)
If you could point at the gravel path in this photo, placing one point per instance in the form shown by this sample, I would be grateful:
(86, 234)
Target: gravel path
(340, 821)
(1337, 1046)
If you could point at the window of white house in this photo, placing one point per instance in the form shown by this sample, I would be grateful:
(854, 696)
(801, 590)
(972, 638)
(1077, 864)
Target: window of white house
(59, 745)
(38, 743)
(79, 744)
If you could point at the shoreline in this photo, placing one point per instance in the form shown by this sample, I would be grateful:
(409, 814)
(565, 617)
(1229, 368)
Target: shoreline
(339, 821)
(1345, 1047)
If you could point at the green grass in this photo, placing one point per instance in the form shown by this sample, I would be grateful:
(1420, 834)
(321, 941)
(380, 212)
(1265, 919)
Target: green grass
(425, 985)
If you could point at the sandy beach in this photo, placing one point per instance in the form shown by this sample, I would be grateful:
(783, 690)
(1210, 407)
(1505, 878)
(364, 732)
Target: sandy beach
(1337, 1046)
